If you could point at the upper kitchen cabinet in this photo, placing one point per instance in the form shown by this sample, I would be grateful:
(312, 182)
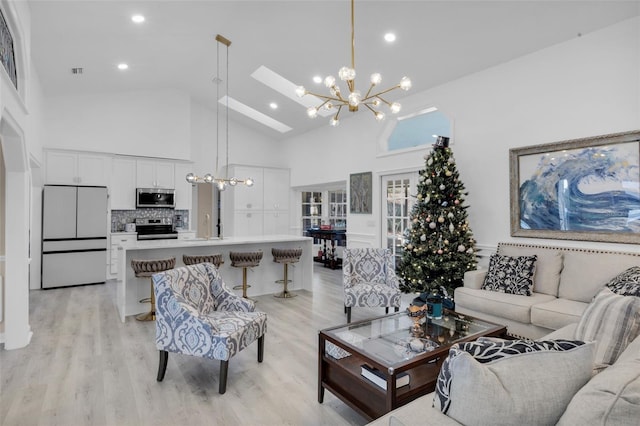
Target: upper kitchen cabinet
(184, 190)
(242, 197)
(77, 168)
(123, 184)
(276, 189)
(260, 209)
(155, 174)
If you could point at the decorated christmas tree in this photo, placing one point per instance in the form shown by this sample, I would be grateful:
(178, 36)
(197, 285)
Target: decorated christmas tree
(439, 246)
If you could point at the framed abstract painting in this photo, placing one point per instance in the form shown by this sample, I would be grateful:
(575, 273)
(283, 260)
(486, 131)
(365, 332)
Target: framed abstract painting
(582, 189)
(360, 195)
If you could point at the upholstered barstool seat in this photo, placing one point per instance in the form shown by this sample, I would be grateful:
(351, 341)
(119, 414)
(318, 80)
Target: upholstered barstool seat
(215, 259)
(286, 257)
(145, 268)
(245, 260)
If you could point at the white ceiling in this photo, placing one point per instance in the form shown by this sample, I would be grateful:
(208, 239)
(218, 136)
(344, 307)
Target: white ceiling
(437, 41)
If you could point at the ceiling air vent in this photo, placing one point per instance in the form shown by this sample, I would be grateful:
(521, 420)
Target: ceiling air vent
(76, 70)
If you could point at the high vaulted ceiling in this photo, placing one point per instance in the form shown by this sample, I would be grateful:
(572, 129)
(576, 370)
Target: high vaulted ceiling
(175, 48)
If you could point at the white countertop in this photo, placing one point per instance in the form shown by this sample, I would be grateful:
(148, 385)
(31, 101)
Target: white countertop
(197, 242)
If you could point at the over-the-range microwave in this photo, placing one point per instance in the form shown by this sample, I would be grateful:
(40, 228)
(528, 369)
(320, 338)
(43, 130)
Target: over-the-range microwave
(155, 197)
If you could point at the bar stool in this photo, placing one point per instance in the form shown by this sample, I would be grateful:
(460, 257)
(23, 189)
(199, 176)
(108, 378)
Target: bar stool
(286, 257)
(145, 268)
(215, 258)
(244, 260)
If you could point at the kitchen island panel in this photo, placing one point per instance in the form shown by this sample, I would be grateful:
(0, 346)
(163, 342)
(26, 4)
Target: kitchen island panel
(261, 278)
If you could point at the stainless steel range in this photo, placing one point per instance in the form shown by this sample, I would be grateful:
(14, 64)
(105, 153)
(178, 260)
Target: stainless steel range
(156, 229)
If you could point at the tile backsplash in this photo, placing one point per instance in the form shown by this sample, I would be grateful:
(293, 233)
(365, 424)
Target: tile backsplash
(121, 217)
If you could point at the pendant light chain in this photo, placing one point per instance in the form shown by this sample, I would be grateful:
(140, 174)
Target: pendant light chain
(226, 172)
(220, 182)
(217, 108)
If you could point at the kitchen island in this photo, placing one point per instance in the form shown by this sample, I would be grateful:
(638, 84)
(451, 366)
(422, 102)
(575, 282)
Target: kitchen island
(130, 290)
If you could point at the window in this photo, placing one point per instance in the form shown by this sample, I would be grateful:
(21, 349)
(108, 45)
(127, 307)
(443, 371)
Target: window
(338, 209)
(311, 210)
(414, 131)
(399, 202)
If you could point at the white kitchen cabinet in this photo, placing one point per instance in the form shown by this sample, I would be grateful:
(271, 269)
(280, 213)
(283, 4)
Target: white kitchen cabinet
(276, 189)
(184, 190)
(123, 184)
(118, 239)
(76, 168)
(247, 223)
(262, 209)
(276, 223)
(155, 174)
(246, 197)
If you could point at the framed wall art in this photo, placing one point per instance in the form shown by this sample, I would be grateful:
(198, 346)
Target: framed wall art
(582, 189)
(360, 187)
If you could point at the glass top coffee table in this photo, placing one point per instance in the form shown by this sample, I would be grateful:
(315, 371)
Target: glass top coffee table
(367, 364)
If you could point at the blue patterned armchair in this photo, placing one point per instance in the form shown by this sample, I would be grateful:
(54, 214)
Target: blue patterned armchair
(369, 279)
(197, 314)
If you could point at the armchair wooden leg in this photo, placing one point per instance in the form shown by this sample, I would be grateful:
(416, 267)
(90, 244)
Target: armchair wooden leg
(386, 310)
(224, 368)
(162, 365)
(260, 348)
(348, 314)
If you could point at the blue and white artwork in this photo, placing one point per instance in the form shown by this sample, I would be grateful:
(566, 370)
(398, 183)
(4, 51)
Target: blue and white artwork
(585, 189)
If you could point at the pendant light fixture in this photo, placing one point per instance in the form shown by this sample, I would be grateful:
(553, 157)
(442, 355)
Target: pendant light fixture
(220, 182)
(354, 98)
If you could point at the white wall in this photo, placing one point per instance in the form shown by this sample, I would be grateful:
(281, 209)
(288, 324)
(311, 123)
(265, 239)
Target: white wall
(147, 123)
(585, 87)
(245, 145)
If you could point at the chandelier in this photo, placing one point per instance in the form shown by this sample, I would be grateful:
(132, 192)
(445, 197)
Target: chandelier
(354, 99)
(220, 182)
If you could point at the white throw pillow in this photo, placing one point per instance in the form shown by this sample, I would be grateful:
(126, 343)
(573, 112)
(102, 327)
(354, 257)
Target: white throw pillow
(514, 382)
(612, 321)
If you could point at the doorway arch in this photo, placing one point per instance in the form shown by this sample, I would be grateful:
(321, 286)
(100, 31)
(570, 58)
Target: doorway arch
(17, 184)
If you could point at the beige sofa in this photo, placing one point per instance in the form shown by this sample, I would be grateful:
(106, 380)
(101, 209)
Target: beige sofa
(565, 281)
(612, 397)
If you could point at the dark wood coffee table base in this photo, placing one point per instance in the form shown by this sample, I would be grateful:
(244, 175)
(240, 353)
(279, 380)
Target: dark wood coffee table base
(342, 377)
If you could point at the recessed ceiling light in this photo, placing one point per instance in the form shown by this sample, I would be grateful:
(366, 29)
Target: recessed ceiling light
(390, 37)
(273, 105)
(317, 79)
(138, 19)
(123, 66)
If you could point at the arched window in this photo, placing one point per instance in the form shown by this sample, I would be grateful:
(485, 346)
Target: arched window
(416, 130)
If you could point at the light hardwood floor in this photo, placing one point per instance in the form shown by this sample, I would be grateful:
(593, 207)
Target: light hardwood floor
(85, 367)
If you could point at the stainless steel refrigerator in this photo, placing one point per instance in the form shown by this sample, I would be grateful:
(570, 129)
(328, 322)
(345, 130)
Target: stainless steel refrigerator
(74, 235)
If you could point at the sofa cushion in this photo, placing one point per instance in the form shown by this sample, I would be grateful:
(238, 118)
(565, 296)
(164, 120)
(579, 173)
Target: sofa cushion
(612, 397)
(511, 275)
(520, 381)
(548, 265)
(557, 313)
(510, 306)
(613, 321)
(627, 283)
(585, 273)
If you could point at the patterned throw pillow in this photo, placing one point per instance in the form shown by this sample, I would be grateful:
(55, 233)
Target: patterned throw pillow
(611, 320)
(513, 275)
(519, 381)
(627, 283)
